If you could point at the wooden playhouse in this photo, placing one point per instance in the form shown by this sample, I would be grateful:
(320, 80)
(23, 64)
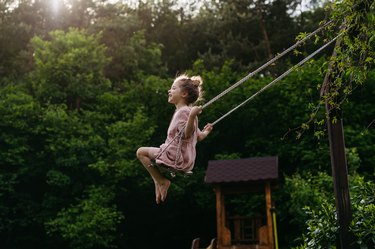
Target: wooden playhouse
(243, 176)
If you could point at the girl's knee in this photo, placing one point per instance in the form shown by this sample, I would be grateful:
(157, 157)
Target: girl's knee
(149, 152)
(140, 152)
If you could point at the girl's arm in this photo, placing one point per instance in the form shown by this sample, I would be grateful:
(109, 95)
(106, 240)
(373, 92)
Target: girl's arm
(206, 130)
(190, 125)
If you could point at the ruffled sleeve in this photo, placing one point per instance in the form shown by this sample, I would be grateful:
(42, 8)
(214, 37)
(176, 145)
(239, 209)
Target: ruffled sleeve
(181, 117)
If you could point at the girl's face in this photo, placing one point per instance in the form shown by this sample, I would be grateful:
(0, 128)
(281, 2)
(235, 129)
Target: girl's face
(175, 94)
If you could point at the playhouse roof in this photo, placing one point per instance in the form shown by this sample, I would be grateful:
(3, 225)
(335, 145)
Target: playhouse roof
(242, 170)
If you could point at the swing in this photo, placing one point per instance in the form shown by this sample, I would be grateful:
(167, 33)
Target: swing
(174, 171)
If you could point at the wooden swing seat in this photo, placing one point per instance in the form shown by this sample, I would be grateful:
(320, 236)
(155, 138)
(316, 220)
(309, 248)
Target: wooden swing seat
(172, 171)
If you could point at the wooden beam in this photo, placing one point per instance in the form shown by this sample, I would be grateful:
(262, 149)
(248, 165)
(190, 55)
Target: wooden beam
(223, 233)
(243, 187)
(339, 167)
(219, 222)
(269, 215)
(340, 182)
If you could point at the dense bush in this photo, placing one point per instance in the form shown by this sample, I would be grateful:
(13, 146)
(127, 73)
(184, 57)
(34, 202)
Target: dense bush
(320, 215)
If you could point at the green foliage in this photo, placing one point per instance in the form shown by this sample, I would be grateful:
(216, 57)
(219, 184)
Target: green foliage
(69, 68)
(141, 57)
(19, 114)
(321, 228)
(90, 223)
(18, 142)
(49, 161)
(122, 139)
(363, 225)
(70, 131)
(355, 50)
(321, 219)
(307, 191)
(69, 140)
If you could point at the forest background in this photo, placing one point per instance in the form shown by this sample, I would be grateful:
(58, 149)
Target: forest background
(83, 84)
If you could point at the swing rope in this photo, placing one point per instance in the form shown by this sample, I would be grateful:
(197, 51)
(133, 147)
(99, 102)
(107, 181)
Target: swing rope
(277, 79)
(265, 65)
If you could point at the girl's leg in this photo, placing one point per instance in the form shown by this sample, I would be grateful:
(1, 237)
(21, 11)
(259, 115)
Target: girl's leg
(145, 155)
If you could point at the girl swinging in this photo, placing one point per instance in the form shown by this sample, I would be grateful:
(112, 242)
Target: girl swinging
(178, 154)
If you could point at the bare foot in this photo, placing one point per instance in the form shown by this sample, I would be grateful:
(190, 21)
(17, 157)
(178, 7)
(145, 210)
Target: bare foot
(163, 188)
(157, 193)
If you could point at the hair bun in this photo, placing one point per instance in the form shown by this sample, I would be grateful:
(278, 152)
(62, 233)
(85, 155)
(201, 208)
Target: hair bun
(196, 80)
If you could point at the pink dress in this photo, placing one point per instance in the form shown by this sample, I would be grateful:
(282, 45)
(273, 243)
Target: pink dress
(175, 152)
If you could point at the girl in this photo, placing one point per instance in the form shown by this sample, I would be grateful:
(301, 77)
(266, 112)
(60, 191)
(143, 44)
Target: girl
(178, 151)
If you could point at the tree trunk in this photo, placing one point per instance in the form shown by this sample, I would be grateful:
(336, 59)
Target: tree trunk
(263, 28)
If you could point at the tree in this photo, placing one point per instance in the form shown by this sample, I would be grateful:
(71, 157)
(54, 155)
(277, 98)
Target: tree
(125, 34)
(336, 86)
(69, 68)
(90, 223)
(20, 178)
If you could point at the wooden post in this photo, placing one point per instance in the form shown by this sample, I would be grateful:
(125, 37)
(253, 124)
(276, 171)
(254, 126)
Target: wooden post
(339, 166)
(269, 215)
(223, 233)
(340, 180)
(219, 215)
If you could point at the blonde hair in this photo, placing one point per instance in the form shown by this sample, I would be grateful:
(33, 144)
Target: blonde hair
(193, 87)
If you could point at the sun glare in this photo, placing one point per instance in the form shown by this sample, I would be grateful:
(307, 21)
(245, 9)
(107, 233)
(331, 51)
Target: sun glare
(55, 4)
